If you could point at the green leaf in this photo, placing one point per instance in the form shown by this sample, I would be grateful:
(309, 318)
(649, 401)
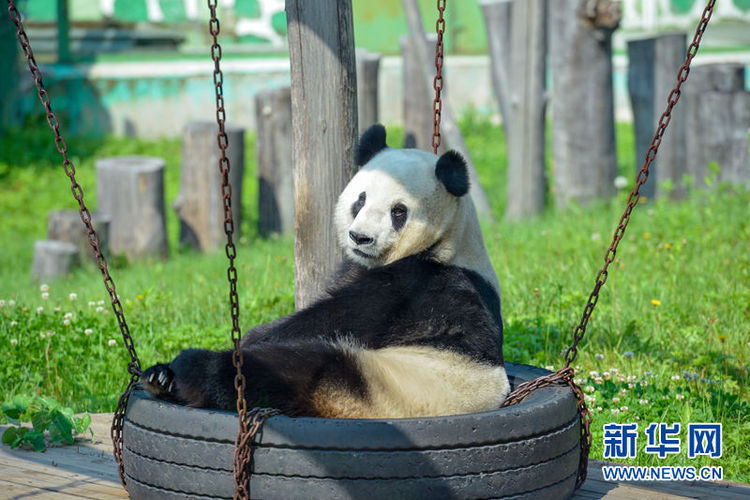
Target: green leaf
(36, 439)
(82, 423)
(63, 425)
(10, 435)
(40, 420)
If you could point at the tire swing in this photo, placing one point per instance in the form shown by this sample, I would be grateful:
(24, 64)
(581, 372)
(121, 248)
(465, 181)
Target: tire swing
(536, 446)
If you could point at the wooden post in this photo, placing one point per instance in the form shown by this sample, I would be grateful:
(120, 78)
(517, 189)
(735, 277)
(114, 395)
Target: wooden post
(273, 112)
(417, 108)
(324, 125)
(583, 126)
(10, 68)
(53, 259)
(368, 67)
(63, 32)
(130, 190)
(66, 225)
(718, 118)
(641, 90)
(526, 176)
(497, 21)
(199, 204)
(449, 131)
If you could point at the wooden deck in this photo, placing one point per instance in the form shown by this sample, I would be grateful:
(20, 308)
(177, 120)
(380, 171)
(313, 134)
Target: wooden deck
(87, 470)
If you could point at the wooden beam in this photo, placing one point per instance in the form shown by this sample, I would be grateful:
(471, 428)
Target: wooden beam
(324, 126)
(63, 32)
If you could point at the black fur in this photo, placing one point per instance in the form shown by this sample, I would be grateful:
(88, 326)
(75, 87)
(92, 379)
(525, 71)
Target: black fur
(452, 171)
(414, 301)
(399, 214)
(371, 143)
(357, 205)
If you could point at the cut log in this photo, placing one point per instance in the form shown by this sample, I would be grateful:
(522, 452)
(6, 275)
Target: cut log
(66, 225)
(449, 131)
(583, 121)
(130, 190)
(324, 119)
(527, 183)
(53, 259)
(498, 25)
(418, 97)
(273, 111)
(368, 68)
(200, 204)
(718, 120)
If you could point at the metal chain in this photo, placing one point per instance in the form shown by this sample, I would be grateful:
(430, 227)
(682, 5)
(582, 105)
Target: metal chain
(134, 367)
(242, 450)
(565, 374)
(437, 82)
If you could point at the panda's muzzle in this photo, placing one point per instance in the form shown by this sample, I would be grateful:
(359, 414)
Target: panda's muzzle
(360, 239)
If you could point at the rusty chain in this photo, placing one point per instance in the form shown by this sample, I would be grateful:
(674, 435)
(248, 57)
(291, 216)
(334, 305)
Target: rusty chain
(565, 374)
(249, 423)
(134, 367)
(437, 82)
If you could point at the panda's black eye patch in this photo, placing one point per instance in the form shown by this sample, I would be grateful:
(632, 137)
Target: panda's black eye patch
(399, 214)
(357, 205)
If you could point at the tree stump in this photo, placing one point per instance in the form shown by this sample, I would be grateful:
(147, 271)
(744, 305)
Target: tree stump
(418, 126)
(583, 120)
(130, 191)
(324, 119)
(66, 225)
(53, 259)
(368, 67)
(200, 205)
(273, 111)
(527, 183)
(718, 119)
(651, 77)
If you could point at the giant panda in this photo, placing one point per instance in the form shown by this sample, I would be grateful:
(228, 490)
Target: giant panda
(410, 325)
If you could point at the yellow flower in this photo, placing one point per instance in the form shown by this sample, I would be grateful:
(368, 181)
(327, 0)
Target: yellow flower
(655, 302)
(646, 236)
(667, 246)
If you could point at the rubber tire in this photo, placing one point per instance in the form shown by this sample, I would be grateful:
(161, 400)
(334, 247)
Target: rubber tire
(529, 450)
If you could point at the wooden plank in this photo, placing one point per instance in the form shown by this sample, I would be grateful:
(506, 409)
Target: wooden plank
(324, 125)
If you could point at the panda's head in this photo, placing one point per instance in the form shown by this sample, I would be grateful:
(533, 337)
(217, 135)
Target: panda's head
(401, 202)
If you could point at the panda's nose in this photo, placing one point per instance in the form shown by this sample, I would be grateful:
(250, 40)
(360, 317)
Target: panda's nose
(360, 239)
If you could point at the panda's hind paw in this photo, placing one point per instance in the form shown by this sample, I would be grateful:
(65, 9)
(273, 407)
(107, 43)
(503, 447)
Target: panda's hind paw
(159, 381)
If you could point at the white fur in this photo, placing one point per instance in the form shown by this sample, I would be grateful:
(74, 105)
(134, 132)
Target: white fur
(407, 176)
(416, 381)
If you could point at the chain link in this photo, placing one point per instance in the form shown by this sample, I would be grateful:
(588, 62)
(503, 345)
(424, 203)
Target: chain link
(134, 367)
(437, 82)
(565, 374)
(242, 450)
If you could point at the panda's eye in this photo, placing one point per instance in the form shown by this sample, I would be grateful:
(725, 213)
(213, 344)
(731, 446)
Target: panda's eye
(398, 216)
(357, 205)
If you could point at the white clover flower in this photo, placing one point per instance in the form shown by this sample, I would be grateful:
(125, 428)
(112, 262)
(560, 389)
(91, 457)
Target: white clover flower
(620, 182)
(599, 356)
(100, 302)
(596, 236)
(631, 378)
(44, 288)
(57, 309)
(92, 303)
(39, 310)
(45, 295)
(11, 303)
(50, 333)
(589, 388)
(112, 343)
(615, 400)
(637, 417)
(598, 381)
(99, 309)
(2, 303)
(615, 411)
(631, 386)
(614, 370)
(68, 315)
(623, 408)
(629, 354)
(598, 408)
(88, 332)
(14, 342)
(72, 296)
(675, 377)
(66, 322)
(42, 335)
(606, 375)
(643, 401)
(679, 397)
(13, 323)
(623, 391)
(593, 374)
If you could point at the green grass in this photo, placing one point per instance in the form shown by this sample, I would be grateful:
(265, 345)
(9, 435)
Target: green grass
(671, 325)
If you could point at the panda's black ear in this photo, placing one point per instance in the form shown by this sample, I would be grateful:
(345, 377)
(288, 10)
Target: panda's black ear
(371, 143)
(452, 171)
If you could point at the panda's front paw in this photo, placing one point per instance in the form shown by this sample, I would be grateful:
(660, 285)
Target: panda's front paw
(159, 381)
